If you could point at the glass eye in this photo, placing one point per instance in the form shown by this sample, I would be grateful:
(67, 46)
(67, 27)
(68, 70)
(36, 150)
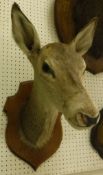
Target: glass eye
(48, 70)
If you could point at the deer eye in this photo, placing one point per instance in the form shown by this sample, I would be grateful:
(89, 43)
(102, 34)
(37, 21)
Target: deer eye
(48, 70)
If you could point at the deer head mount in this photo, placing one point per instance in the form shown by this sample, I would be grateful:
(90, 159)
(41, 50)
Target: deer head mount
(59, 70)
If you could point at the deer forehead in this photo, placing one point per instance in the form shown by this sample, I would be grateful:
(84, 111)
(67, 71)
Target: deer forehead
(67, 67)
(61, 56)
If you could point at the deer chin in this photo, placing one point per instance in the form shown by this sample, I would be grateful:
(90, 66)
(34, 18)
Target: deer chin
(82, 120)
(77, 125)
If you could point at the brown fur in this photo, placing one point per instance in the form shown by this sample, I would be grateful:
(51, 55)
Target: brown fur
(97, 136)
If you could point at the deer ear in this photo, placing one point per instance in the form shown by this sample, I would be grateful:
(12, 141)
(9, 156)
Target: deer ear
(83, 40)
(24, 32)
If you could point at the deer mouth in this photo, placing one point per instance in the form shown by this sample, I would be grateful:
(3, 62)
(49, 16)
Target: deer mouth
(84, 120)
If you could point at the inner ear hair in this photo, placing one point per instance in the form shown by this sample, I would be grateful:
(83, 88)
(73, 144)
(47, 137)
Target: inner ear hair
(28, 34)
(24, 32)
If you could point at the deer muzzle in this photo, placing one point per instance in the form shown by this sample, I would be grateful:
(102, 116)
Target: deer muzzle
(86, 120)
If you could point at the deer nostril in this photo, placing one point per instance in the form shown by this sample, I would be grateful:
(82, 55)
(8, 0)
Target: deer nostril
(92, 121)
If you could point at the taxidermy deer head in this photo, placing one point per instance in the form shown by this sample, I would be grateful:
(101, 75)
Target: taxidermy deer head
(59, 69)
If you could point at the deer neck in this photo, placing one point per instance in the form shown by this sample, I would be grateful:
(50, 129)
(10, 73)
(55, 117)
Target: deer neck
(39, 118)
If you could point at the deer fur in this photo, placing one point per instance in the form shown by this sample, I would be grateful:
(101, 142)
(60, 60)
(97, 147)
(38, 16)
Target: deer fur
(57, 85)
